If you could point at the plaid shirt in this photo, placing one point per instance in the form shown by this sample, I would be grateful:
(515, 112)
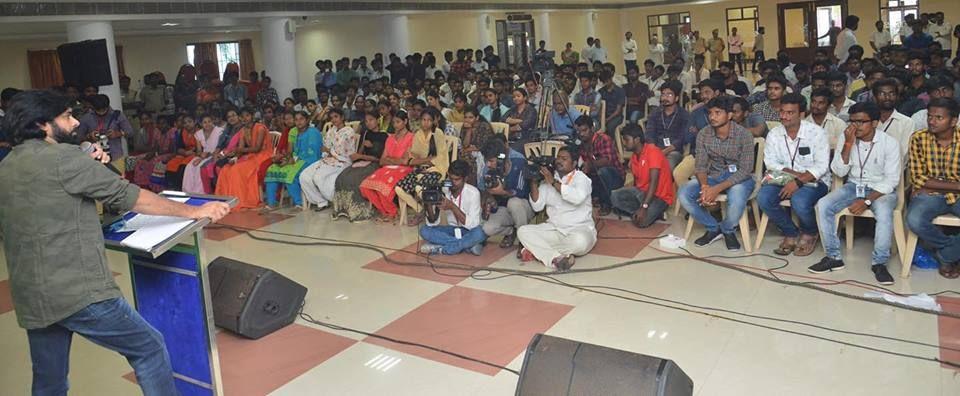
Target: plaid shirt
(767, 111)
(928, 160)
(714, 155)
(601, 146)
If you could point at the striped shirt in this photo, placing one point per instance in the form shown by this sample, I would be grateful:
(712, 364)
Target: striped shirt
(715, 156)
(929, 160)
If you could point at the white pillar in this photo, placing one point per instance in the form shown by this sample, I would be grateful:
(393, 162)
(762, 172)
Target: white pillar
(80, 31)
(483, 30)
(397, 35)
(591, 24)
(279, 54)
(543, 31)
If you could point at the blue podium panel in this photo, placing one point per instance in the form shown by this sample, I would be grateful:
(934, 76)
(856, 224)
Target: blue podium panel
(169, 294)
(172, 293)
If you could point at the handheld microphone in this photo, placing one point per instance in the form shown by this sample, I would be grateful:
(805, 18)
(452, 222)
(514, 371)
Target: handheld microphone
(88, 148)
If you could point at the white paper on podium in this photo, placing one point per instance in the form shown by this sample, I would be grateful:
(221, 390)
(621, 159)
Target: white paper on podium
(145, 238)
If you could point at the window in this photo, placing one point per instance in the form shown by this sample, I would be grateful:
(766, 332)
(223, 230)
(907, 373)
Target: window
(747, 21)
(666, 26)
(227, 52)
(893, 13)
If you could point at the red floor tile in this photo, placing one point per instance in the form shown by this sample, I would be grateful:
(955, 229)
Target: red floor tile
(258, 367)
(491, 253)
(949, 331)
(247, 219)
(489, 326)
(625, 240)
(6, 300)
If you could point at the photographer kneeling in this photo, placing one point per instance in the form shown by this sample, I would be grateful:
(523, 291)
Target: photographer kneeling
(507, 185)
(569, 230)
(462, 204)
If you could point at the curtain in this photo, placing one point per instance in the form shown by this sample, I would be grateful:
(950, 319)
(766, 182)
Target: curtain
(121, 71)
(44, 69)
(204, 52)
(246, 58)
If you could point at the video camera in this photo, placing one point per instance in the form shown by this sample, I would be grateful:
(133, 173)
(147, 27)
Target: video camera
(535, 163)
(433, 194)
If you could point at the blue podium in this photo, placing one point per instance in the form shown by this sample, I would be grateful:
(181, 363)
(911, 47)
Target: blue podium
(172, 292)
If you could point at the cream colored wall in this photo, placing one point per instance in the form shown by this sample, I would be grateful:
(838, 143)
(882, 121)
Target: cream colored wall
(353, 36)
(141, 55)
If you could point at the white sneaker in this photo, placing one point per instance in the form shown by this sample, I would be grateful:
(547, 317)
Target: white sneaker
(431, 249)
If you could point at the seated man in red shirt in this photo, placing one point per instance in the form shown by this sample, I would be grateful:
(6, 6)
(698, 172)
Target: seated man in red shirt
(653, 191)
(600, 161)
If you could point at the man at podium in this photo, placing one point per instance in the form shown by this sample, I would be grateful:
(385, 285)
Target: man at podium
(59, 277)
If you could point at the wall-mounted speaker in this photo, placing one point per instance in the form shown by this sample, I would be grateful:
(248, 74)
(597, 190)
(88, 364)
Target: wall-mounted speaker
(85, 63)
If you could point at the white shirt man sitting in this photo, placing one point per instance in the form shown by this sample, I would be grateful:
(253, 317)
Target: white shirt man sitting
(569, 230)
(462, 205)
(820, 115)
(870, 160)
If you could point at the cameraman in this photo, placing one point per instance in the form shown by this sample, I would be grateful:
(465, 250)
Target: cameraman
(105, 121)
(462, 204)
(511, 208)
(59, 276)
(569, 230)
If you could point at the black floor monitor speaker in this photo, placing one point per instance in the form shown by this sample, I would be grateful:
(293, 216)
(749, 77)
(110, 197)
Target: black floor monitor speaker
(252, 301)
(557, 366)
(85, 63)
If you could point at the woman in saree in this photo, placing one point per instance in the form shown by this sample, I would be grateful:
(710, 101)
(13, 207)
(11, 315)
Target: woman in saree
(285, 124)
(186, 149)
(474, 133)
(185, 88)
(207, 138)
(160, 148)
(317, 180)
(428, 156)
(380, 187)
(229, 139)
(348, 201)
(305, 149)
(239, 178)
(145, 144)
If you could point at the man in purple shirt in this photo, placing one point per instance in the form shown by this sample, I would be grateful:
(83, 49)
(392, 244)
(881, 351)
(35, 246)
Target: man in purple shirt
(105, 121)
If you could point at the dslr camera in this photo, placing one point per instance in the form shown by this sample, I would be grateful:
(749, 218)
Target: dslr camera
(494, 176)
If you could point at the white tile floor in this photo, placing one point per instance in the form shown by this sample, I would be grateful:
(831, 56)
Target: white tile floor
(722, 357)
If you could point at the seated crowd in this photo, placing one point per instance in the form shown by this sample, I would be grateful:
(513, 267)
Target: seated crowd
(802, 143)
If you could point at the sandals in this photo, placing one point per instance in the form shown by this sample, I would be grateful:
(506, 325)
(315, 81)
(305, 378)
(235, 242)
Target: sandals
(508, 240)
(414, 221)
(949, 271)
(787, 246)
(808, 243)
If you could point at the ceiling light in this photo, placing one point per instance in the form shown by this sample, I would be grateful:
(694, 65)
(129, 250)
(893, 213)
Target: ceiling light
(168, 24)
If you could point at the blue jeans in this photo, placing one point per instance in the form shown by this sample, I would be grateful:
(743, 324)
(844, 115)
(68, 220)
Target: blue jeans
(445, 237)
(634, 116)
(882, 209)
(112, 324)
(605, 180)
(923, 209)
(293, 189)
(612, 124)
(737, 196)
(802, 203)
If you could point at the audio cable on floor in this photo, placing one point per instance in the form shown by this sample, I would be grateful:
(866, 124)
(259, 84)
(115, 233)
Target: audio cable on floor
(548, 277)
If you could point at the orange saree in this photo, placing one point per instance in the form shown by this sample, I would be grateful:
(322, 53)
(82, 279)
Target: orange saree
(240, 179)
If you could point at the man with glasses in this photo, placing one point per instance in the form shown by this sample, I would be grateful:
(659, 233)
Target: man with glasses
(870, 161)
(892, 122)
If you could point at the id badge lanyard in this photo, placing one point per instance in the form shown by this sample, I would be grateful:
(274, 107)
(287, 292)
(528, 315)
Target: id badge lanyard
(862, 188)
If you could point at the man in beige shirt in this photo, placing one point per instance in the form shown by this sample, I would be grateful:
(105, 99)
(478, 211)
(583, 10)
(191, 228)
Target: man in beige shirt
(716, 47)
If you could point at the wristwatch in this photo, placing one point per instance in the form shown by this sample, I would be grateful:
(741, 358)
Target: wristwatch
(645, 205)
(867, 202)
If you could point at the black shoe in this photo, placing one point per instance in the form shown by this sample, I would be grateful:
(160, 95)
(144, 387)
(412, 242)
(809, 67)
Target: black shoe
(707, 238)
(883, 276)
(826, 264)
(730, 239)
